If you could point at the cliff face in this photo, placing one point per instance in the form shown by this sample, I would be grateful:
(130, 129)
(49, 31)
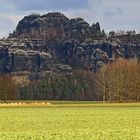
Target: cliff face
(28, 55)
(51, 26)
(53, 44)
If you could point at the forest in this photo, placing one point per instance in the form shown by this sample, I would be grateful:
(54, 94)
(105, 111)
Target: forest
(118, 81)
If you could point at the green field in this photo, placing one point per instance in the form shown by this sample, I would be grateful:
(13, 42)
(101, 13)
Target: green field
(71, 121)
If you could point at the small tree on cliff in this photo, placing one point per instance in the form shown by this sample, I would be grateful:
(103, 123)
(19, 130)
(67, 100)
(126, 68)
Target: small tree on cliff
(8, 88)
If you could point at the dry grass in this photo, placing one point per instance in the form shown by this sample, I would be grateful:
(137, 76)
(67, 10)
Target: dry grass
(16, 104)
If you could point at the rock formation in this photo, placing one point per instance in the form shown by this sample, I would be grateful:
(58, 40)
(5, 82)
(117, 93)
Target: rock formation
(53, 26)
(54, 44)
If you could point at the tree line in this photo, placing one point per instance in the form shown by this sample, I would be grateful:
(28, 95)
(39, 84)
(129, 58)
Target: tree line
(118, 81)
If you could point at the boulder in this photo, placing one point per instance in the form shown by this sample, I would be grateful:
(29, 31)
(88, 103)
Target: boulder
(63, 70)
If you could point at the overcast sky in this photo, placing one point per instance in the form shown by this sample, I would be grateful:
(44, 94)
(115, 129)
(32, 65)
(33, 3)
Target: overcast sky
(112, 14)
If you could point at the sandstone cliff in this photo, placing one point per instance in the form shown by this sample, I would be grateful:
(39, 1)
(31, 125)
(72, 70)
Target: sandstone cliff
(52, 26)
(54, 44)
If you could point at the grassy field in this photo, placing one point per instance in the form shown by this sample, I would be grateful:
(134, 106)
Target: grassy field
(71, 121)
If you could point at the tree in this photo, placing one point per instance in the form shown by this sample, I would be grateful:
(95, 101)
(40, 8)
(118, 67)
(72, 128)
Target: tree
(8, 88)
(101, 83)
(130, 33)
(124, 78)
(96, 29)
(119, 81)
(112, 34)
(103, 34)
(133, 82)
(117, 76)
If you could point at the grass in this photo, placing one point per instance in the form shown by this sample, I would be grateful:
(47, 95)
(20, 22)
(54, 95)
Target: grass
(71, 121)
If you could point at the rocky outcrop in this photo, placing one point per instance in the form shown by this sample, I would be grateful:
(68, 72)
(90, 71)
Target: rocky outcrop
(53, 26)
(30, 56)
(35, 56)
(53, 44)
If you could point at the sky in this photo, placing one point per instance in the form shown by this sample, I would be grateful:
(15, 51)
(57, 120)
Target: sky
(112, 14)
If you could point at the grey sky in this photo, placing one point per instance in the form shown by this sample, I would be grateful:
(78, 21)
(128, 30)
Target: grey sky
(112, 14)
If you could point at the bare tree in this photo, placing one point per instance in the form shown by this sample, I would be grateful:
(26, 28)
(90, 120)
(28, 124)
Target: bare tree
(101, 82)
(8, 88)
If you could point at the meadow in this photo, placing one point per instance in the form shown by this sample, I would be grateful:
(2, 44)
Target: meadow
(71, 121)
